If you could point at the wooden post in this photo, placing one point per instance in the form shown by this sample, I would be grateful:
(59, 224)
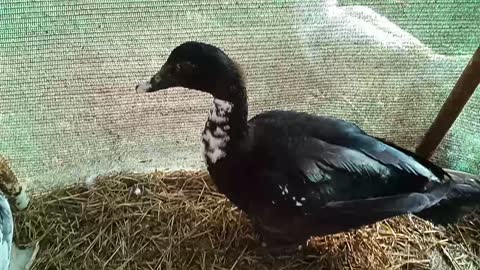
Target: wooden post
(451, 109)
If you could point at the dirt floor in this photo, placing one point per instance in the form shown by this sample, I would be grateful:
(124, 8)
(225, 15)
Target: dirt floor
(179, 221)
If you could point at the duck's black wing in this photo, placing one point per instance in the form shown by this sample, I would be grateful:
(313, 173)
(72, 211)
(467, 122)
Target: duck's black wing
(324, 164)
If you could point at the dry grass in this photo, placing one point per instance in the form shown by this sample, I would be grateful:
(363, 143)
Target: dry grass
(180, 222)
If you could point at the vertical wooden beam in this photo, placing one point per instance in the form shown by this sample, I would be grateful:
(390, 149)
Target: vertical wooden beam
(451, 109)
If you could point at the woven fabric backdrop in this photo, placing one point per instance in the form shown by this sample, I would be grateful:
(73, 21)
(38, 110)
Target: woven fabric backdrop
(69, 112)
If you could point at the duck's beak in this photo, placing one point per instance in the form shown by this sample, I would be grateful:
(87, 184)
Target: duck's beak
(161, 80)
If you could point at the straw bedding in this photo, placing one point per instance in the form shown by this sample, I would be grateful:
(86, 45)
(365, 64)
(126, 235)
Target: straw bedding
(179, 221)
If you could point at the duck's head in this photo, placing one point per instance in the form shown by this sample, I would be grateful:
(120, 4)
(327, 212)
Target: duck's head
(198, 66)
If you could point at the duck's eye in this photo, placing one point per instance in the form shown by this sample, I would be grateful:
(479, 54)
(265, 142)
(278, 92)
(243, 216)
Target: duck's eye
(184, 67)
(158, 77)
(178, 67)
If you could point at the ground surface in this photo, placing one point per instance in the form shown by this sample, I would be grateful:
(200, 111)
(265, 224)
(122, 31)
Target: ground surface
(180, 222)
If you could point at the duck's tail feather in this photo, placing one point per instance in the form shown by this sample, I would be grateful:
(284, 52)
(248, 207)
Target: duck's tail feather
(22, 259)
(462, 199)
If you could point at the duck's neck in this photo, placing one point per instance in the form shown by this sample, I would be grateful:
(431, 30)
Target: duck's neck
(225, 127)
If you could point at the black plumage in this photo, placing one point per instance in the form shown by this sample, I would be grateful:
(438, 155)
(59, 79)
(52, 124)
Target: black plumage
(298, 175)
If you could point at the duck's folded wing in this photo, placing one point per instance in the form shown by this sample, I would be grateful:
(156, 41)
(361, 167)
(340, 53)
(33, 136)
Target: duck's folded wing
(389, 206)
(345, 215)
(358, 187)
(380, 151)
(336, 141)
(359, 168)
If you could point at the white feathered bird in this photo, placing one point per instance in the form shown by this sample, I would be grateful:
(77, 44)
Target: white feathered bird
(11, 257)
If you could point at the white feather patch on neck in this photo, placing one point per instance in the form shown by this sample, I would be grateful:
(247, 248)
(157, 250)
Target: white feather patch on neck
(223, 105)
(215, 143)
(220, 111)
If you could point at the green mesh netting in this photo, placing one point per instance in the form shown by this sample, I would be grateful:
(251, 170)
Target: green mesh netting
(68, 109)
